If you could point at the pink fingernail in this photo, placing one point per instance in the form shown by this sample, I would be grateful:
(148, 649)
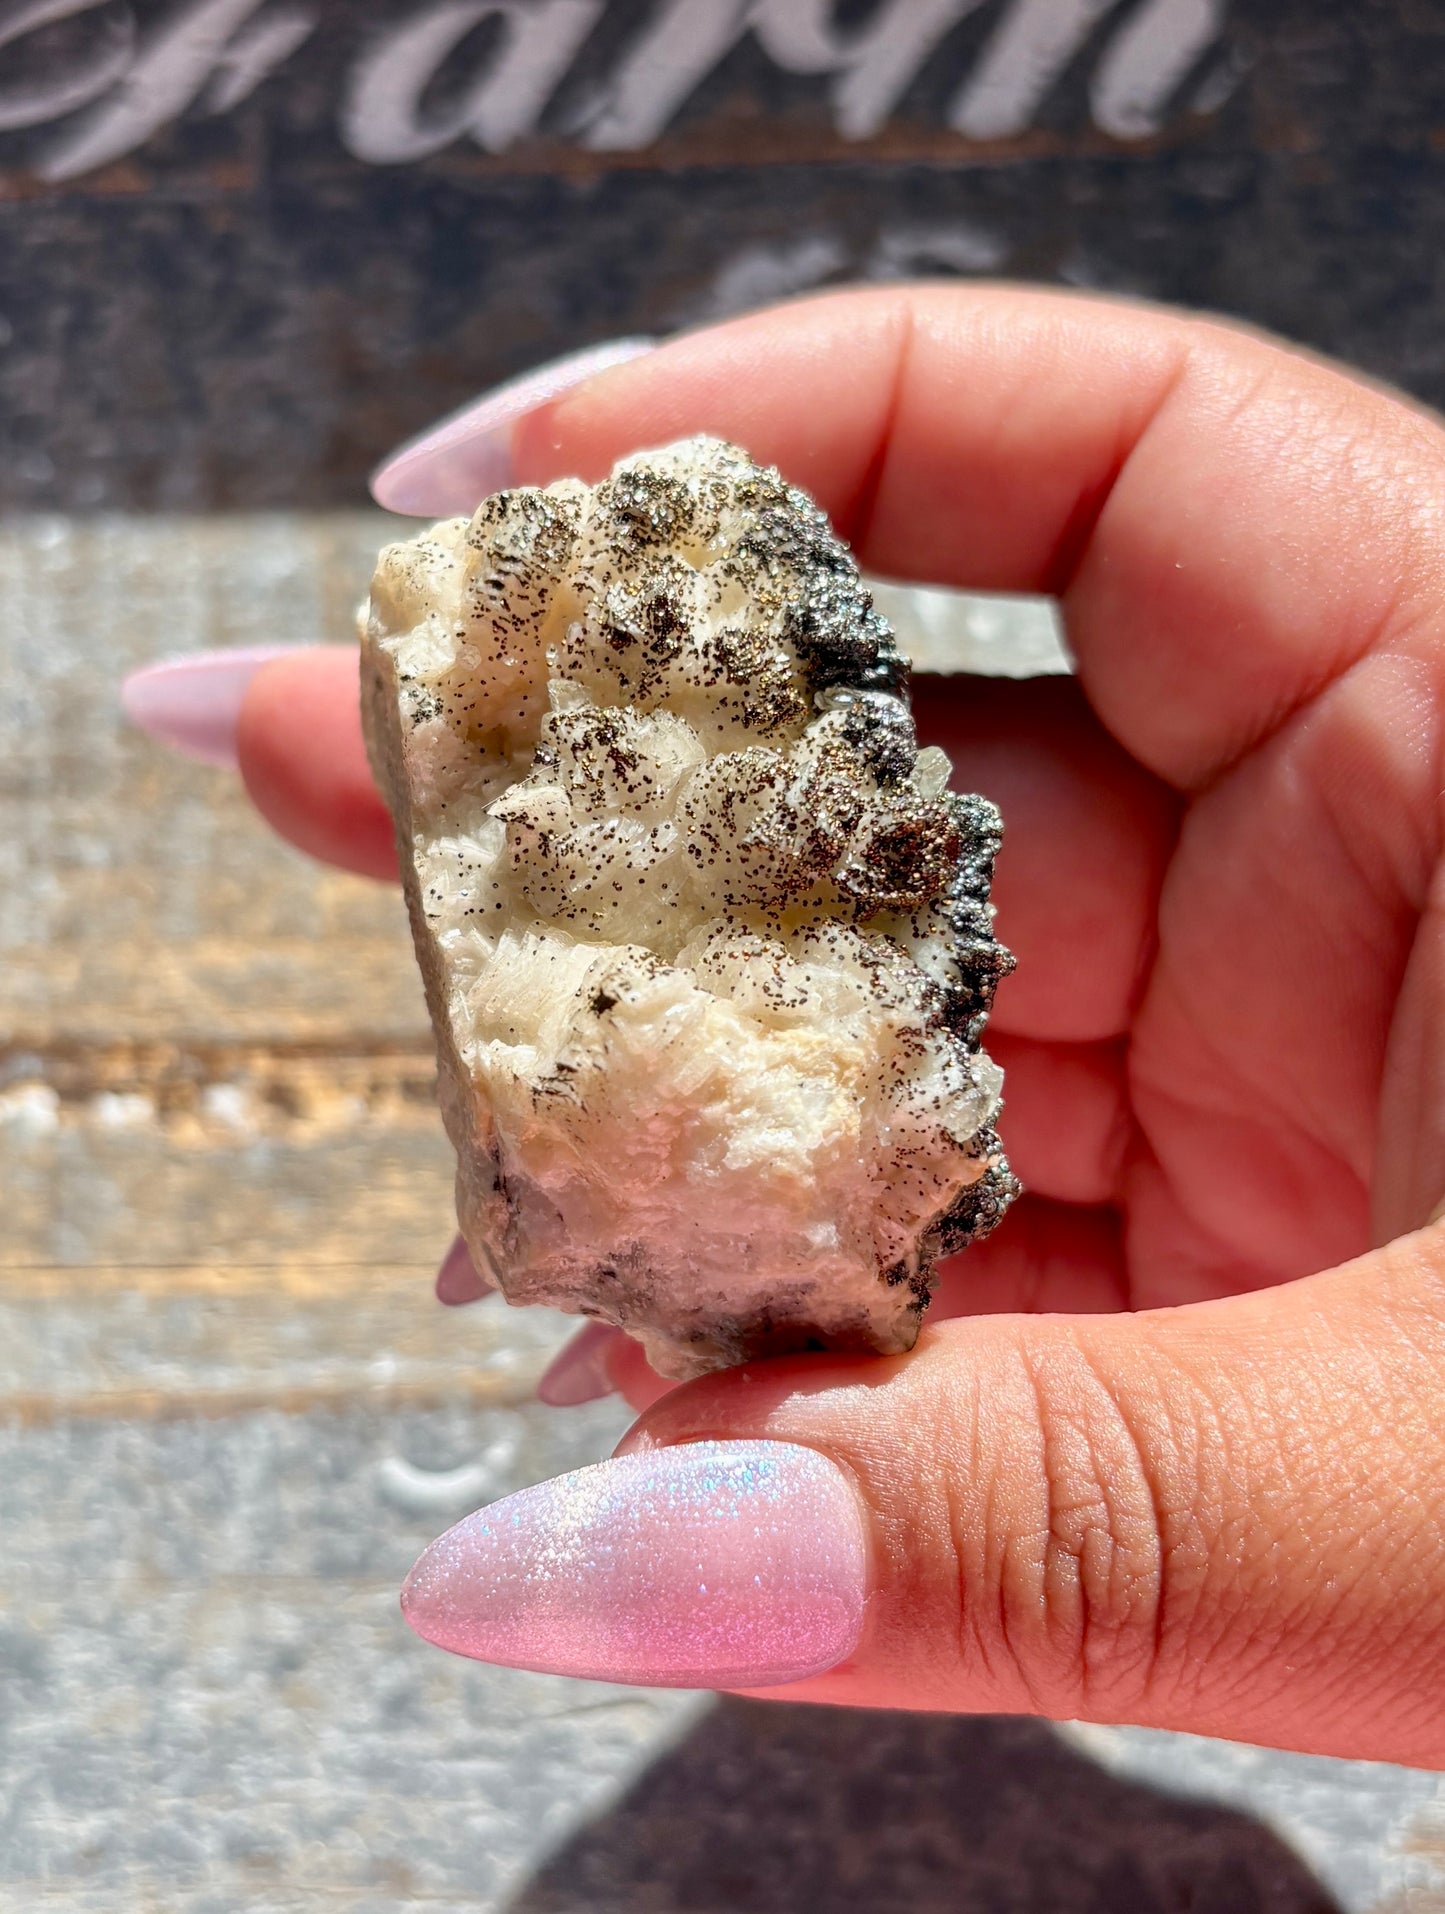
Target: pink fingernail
(710, 1565)
(194, 704)
(452, 466)
(459, 1280)
(579, 1372)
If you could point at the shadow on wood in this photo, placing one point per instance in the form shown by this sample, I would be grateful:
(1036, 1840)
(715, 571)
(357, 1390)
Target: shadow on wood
(769, 1809)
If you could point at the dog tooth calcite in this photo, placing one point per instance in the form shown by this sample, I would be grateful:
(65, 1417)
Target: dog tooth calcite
(706, 938)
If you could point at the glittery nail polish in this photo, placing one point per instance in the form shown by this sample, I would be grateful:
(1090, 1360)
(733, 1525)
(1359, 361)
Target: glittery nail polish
(578, 1372)
(458, 1278)
(193, 704)
(707, 1565)
(453, 465)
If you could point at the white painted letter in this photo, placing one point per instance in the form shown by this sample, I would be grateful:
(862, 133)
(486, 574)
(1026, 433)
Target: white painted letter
(34, 104)
(874, 66)
(258, 49)
(381, 117)
(1146, 60)
(667, 64)
(168, 74)
(1033, 44)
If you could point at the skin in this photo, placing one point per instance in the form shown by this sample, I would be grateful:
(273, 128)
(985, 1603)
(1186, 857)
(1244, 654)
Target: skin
(1175, 1452)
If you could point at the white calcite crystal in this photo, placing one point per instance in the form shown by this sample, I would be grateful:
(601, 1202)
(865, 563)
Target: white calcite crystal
(706, 937)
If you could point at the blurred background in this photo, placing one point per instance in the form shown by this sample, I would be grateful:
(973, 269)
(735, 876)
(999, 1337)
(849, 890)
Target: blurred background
(245, 247)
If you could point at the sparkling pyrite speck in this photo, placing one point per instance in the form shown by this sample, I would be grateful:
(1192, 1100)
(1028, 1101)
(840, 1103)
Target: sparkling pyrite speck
(706, 937)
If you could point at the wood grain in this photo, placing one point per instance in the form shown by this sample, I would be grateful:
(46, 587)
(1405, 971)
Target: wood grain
(213, 1054)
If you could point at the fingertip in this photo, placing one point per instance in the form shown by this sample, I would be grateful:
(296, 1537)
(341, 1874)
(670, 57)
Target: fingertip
(633, 1376)
(301, 757)
(580, 1371)
(455, 463)
(191, 703)
(726, 380)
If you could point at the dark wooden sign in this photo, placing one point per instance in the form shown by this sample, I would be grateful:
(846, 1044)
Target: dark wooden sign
(245, 245)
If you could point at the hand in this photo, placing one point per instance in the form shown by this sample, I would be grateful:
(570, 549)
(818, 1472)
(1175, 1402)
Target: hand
(1177, 1454)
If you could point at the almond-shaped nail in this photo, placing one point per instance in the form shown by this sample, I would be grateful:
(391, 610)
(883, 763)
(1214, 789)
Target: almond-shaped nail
(458, 1279)
(708, 1565)
(579, 1371)
(194, 704)
(452, 466)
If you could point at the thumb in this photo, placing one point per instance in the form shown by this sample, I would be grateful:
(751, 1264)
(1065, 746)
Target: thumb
(1227, 1518)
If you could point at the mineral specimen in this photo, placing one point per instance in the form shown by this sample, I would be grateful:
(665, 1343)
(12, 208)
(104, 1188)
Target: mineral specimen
(706, 937)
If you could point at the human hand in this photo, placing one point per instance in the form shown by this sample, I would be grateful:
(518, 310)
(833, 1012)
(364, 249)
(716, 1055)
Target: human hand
(1152, 1467)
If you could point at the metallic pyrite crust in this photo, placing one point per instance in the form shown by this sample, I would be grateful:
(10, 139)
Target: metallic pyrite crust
(706, 937)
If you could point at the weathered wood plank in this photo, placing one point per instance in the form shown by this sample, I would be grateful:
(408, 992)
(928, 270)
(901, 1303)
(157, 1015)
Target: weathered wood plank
(139, 1345)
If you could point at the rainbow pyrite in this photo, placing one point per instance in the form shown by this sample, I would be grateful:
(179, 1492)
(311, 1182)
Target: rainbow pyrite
(706, 937)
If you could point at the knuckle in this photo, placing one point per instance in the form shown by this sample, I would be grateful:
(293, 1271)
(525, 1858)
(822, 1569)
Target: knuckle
(1073, 1593)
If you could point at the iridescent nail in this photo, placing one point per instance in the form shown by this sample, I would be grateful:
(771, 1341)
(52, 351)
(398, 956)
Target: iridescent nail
(458, 1278)
(193, 704)
(455, 464)
(708, 1565)
(579, 1372)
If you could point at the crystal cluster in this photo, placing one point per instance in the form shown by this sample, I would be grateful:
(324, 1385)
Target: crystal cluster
(706, 937)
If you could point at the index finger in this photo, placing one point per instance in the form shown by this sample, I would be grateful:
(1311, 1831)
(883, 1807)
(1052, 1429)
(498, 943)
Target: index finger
(1230, 523)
